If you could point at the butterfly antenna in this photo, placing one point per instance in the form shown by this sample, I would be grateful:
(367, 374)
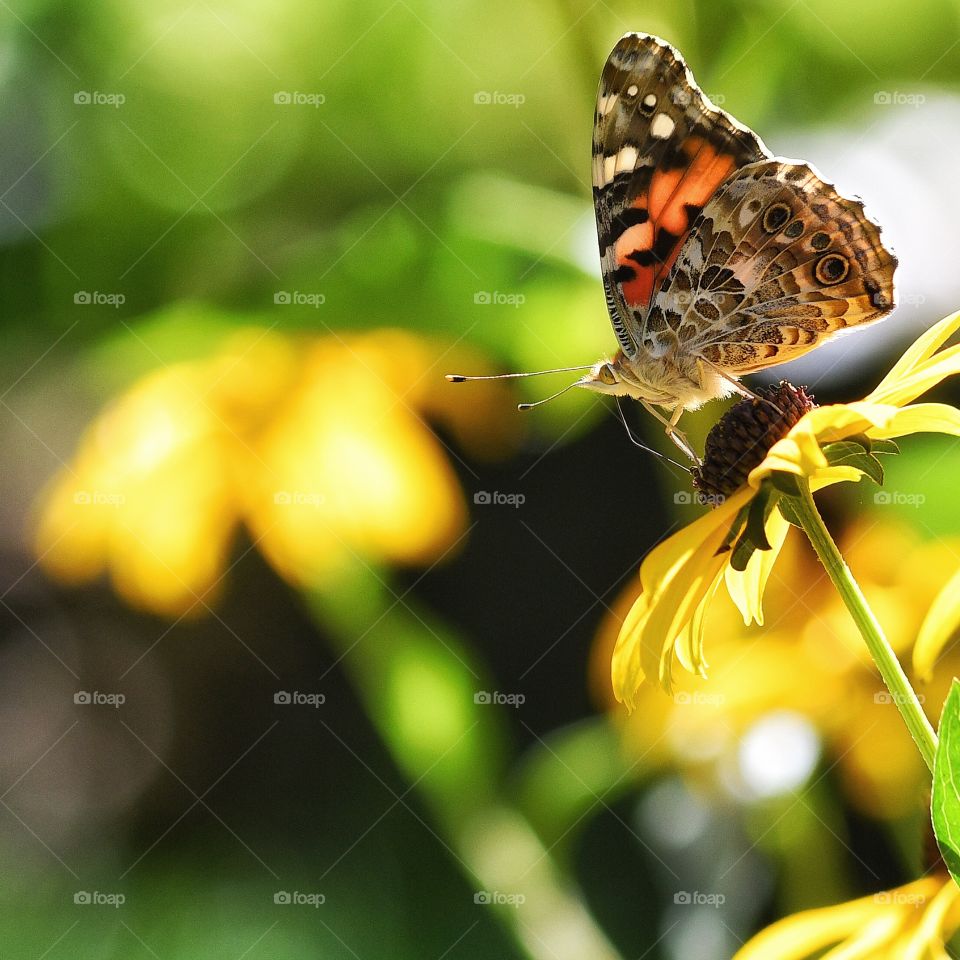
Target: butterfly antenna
(553, 396)
(643, 446)
(459, 378)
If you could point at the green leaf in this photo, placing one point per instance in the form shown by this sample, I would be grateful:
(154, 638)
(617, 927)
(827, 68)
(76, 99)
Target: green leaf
(786, 483)
(738, 521)
(945, 802)
(842, 450)
(861, 440)
(884, 446)
(869, 464)
(789, 512)
(742, 552)
(760, 509)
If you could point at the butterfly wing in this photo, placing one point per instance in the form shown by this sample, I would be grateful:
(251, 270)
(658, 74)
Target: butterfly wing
(660, 151)
(777, 262)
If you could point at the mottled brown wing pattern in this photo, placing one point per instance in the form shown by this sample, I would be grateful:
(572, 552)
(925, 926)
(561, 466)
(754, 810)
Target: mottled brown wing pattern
(776, 263)
(660, 151)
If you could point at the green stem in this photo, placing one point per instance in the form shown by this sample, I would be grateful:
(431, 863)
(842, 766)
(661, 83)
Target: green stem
(871, 631)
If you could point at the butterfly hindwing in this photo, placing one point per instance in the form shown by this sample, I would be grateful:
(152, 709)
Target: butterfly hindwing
(777, 262)
(661, 149)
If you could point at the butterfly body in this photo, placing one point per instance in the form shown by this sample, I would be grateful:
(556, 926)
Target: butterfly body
(668, 377)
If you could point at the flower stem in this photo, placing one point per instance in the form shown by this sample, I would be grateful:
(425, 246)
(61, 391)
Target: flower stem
(871, 631)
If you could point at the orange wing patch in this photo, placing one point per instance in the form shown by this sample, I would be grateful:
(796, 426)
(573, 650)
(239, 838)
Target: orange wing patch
(646, 251)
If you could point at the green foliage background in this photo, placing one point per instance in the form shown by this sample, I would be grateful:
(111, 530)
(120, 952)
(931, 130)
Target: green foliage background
(398, 198)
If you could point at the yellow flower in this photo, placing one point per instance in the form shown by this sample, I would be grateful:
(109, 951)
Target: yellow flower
(909, 923)
(939, 627)
(680, 576)
(317, 444)
(807, 661)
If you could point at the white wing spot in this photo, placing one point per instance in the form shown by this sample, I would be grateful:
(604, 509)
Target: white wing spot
(632, 90)
(627, 159)
(662, 126)
(650, 100)
(609, 169)
(606, 103)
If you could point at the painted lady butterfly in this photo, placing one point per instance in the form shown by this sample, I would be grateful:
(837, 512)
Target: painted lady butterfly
(718, 258)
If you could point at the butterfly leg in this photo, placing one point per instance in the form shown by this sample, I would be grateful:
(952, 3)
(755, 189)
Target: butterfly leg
(670, 427)
(741, 388)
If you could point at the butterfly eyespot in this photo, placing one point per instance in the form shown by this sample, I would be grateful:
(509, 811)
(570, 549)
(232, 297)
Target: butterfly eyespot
(648, 104)
(832, 269)
(820, 241)
(607, 375)
(793, 230)
(776, 216)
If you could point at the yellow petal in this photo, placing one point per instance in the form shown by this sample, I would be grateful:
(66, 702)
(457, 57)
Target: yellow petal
(689, 645)
(626, 671)
(919, 418)
(925, 377)
(661, 564)
(675, 577)
(804, 934)
(746, 586)
(835, 474)
(839, 420)
(930, 930)
(797, 453)
(694, 572)
(919, 351)
(938, 628)
(865, 944)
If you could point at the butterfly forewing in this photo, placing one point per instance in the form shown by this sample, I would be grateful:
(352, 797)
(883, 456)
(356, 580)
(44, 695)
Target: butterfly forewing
(660, 151)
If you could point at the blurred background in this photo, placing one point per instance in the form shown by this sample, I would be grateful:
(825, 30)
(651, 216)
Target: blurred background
(305, 651)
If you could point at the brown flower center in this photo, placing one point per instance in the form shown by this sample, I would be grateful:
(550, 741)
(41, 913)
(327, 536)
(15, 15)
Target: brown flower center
(743, 435)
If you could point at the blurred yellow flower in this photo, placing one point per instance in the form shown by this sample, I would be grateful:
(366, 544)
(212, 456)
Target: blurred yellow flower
(680, 576)
(318, 445)
(912, 922)
(808, 661)
(938, 629)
